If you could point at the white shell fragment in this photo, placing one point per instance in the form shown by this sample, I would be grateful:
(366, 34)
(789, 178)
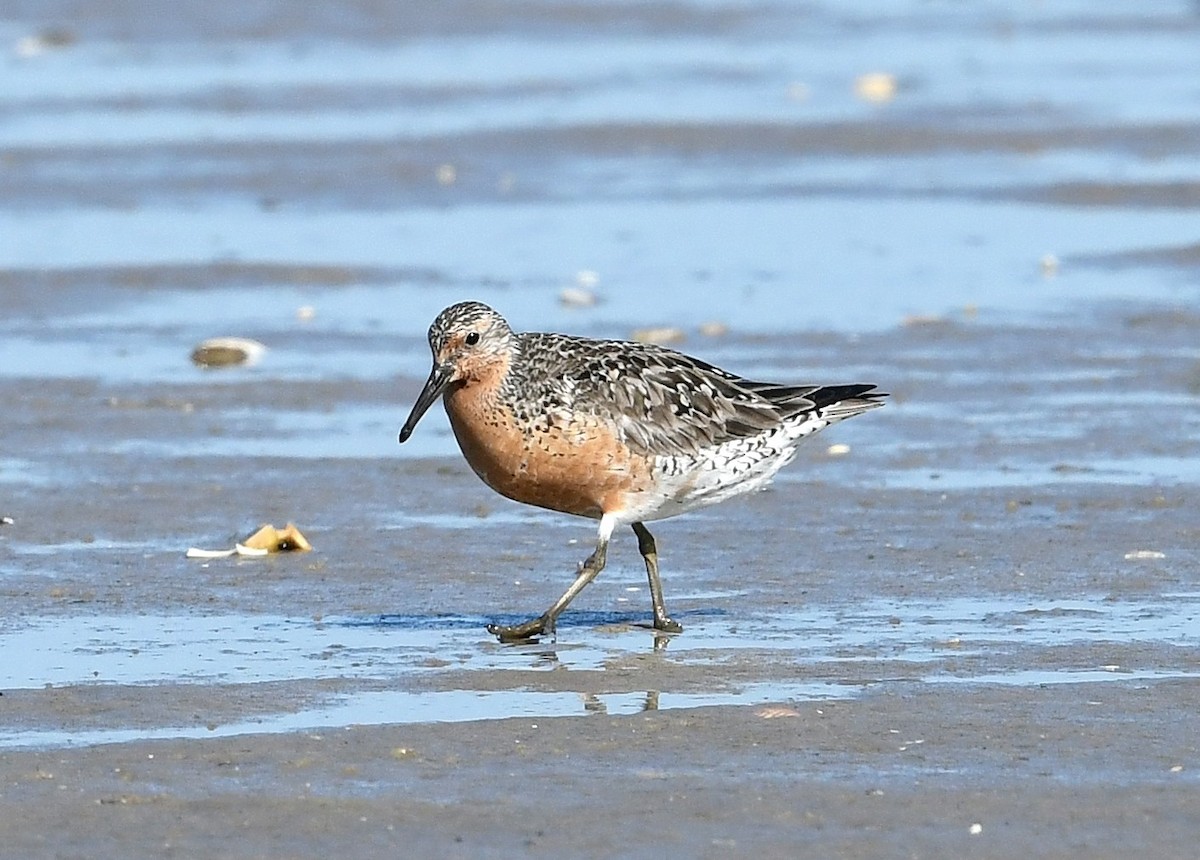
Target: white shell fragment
(1144, 554)
(238, 549)
(587, 279)
(196, 552)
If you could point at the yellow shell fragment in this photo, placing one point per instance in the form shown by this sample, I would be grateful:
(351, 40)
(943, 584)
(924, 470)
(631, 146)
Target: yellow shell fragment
(265, 541)
(271, 539)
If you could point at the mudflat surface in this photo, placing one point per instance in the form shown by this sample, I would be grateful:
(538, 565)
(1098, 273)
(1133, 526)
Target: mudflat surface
(974, 633)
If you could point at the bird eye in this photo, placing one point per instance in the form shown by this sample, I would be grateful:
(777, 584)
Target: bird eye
(472, 338)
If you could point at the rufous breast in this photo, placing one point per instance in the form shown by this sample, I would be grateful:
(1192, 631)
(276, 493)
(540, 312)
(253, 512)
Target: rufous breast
(572, 464)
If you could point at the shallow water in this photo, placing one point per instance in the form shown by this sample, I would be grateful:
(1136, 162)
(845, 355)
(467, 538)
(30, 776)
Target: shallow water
(443, 706)
(252, 649)
(910, 640)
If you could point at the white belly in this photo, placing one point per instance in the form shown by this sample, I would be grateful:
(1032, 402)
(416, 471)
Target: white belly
(683, 484)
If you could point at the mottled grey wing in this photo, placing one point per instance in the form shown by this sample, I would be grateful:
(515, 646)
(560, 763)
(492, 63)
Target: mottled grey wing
(661, 401)
(664, 402)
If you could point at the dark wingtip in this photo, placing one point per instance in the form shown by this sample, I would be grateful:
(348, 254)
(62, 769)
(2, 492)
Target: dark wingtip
(828, 395)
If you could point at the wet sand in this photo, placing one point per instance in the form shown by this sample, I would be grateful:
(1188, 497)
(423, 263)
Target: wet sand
(976, 633)
(932, 632)
(1067, 770)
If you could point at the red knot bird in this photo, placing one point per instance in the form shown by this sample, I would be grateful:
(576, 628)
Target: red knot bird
(620, 432)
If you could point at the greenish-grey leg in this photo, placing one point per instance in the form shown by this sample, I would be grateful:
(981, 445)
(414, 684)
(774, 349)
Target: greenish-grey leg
(544, 624)
(650, 553)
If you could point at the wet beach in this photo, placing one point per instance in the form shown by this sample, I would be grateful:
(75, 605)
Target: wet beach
(970, 629)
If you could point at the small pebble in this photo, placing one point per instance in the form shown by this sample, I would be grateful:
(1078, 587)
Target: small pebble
(775, 712)
(841, 449)
(1049, 265)
(975, 829)
(576, 297)
(446, 174)
(912, 320)
(48, 40)
(228, 352)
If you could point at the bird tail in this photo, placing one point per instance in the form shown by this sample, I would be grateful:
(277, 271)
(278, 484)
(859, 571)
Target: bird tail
(839, 402)
(824, 402)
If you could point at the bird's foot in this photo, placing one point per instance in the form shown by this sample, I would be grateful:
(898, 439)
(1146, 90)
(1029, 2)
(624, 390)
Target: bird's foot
(523, 632)
(667, 625)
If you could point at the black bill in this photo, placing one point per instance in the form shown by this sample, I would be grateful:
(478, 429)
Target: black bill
(439, 378)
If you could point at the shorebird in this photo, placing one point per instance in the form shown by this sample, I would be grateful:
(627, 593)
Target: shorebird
(621, 432)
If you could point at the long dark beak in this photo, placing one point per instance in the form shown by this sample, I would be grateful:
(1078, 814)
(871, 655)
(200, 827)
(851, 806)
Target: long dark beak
(439, 378)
